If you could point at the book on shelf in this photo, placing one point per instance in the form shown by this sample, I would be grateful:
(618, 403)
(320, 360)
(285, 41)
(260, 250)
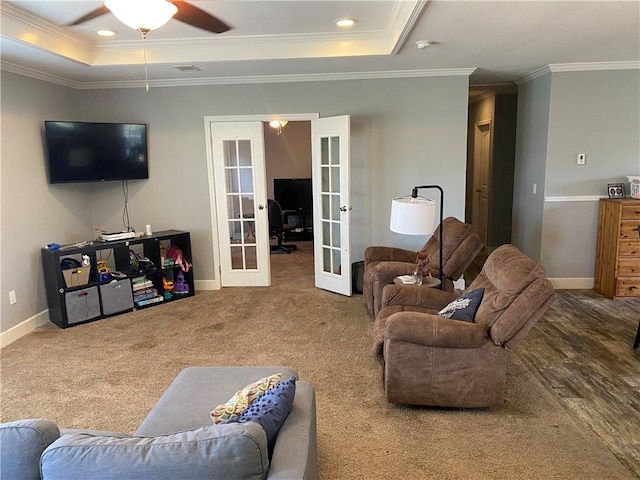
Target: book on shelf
(145, 295)
(149, 301)
(143, 285)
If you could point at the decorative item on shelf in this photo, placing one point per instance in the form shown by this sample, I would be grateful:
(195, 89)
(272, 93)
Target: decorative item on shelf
(616, 190)
(75, 273)
(138, 263)
(634, 186)
(104, 274)
(176, 254)
(167, 286)
(415, 216)
(168, 262)
(422, 269)
(180, 287)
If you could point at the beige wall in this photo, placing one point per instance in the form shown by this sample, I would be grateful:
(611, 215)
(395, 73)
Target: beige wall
(403, 132)
(33, 213)
(560, 115)
(287, 155)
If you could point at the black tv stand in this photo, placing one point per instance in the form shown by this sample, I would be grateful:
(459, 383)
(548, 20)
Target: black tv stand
(79, 295)
(302, 220)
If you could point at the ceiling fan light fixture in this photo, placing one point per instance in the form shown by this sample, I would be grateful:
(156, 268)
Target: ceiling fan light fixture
(142, 15)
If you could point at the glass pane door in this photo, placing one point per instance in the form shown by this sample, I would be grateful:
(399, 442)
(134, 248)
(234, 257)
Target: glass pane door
(240, 184)
(330, 158)
(238, 173)
(330, 215)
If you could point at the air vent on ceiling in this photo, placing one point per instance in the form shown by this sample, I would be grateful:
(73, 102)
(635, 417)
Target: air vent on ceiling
(187, 68)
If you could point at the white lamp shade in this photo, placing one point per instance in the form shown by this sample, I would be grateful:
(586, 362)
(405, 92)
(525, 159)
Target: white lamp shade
(413, 216)
(142, 14)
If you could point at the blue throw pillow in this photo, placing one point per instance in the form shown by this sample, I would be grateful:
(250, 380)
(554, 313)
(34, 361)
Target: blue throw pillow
(464, 307)
(271, 410)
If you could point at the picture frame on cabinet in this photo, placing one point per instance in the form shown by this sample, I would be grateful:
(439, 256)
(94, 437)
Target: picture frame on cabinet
(616, 190)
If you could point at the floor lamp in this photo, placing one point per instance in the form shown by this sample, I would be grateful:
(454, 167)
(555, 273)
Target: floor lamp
(415, 215)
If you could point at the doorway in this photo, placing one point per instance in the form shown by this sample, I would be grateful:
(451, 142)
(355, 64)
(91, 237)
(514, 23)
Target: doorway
(490, 164)
(236, 179)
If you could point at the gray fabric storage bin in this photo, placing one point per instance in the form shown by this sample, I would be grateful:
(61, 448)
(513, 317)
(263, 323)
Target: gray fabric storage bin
(82, 305)
(116, 296)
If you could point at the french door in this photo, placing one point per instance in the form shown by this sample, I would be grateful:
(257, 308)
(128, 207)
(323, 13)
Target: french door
(331, 203)
(241, 203)
(237, 175)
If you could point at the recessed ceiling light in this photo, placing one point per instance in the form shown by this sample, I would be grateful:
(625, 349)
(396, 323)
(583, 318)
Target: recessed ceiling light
(106, 33)
(345, 22)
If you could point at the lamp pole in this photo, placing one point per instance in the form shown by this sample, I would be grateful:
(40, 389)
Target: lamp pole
(414, 194)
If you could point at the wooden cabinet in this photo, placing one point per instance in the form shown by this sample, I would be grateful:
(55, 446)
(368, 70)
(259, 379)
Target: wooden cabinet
(617, 273)
(81, 294)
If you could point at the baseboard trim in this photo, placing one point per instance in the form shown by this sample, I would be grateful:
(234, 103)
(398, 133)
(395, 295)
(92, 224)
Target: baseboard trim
(20, 330)
(572, 283)
(581, 198)
(206, 285)
(42, 318)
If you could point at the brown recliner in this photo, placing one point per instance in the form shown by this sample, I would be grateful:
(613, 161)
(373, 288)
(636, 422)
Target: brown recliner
(427, 359)
(383, 264)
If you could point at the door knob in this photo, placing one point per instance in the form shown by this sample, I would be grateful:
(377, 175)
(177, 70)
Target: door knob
(260, 207)
(343, 209)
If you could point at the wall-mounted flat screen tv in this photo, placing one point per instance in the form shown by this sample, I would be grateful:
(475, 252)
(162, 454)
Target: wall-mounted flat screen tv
(95, 152)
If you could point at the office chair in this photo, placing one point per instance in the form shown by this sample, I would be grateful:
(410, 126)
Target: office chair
(277, 227)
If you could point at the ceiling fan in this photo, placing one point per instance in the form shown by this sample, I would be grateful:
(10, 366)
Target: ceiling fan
(147, 15)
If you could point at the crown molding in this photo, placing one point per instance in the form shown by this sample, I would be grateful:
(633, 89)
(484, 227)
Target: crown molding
(578, 67)
(593, 66)
(274, 47)
(237, 80)
(11, 12)
(24, 27)
(313, 77)
(540, 72)
(38, 75)
(405, 15)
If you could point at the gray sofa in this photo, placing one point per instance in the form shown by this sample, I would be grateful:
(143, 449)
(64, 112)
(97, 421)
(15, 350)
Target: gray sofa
(175, 441)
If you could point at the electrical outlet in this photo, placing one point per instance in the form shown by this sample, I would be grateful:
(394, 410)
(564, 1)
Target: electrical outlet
(581, 158)
(12, 297)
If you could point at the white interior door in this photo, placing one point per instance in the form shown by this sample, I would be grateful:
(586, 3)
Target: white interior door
(481, 161)
(241, 203)
(331, 203)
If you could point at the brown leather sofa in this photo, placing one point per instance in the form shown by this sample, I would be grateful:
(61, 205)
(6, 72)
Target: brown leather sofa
(382, 264)
(426, 359)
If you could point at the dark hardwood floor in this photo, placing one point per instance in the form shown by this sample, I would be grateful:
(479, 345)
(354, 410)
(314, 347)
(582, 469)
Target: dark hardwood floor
(582, 350)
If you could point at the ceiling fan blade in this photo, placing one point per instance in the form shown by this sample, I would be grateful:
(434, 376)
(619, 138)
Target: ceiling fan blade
(196, 17)
(90, 16)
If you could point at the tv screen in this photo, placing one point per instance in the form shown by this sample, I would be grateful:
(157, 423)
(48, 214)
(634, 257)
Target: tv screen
(93, 152)
(293, 193)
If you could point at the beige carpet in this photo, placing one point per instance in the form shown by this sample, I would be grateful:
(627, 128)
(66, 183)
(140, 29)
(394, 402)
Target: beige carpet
(108, 374)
